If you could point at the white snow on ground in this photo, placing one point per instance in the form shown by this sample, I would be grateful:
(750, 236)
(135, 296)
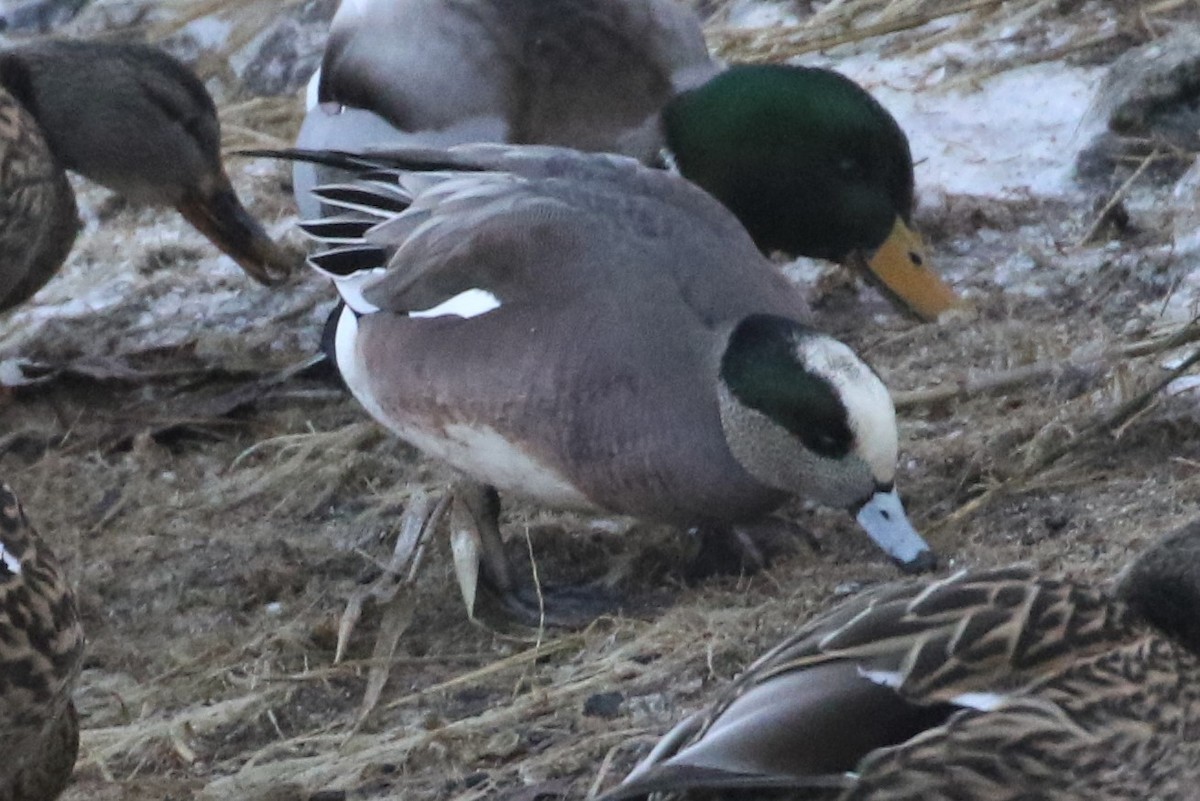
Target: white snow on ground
(757, 14)
(1015, 132)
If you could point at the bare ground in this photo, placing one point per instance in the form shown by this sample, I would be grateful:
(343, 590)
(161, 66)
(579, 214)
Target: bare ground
(217, 522)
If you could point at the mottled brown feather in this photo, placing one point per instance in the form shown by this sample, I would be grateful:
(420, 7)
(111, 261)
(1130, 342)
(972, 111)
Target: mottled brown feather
(41, 650)
(38, 220)
(1047, 689)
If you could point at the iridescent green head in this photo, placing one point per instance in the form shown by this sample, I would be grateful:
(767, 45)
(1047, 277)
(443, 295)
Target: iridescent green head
(813, 166)
(808, 161)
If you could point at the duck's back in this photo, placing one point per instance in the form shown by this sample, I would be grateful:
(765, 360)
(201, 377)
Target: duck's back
(38, 219)
(1119, 725)
(588, 74)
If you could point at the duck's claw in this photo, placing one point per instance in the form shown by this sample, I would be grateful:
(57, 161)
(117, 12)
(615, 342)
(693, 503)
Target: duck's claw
(487, 579)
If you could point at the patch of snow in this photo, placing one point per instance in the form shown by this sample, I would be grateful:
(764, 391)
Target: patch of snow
(1012, 134)
(210, 32)
(756, 14)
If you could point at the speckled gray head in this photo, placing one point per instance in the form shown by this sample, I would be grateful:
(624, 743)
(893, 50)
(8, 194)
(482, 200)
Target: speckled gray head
(804, 414)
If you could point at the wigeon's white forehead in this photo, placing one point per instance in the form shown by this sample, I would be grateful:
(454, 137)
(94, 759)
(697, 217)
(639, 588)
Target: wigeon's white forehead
(872, 416)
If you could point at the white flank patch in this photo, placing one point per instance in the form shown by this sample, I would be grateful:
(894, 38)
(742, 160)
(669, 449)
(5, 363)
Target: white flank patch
(487, 455)
(351, 287)
(12, 563)
(310, 91)
(471, 303)
(479, 451)
(345, 347)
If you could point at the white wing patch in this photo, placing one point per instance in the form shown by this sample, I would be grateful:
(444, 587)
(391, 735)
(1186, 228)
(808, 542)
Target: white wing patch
(886, 678)
(984, 702)
(10, 562)
(471, 303)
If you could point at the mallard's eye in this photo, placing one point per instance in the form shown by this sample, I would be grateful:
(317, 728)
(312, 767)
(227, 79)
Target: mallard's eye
(851, 168)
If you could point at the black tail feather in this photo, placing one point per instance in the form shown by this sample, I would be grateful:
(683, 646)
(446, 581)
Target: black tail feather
(414, 158)
(349, 260)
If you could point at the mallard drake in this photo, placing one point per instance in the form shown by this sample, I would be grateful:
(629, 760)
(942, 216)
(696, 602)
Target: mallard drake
(588, 332)
(41, 650)
(129, 117)
(989, 684)
(809, 162)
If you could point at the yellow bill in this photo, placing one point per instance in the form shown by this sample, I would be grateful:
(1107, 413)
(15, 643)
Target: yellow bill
(900, 269)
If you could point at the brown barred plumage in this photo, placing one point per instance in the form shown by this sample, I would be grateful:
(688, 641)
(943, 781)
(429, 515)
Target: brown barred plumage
(993, 684)
(41, 649)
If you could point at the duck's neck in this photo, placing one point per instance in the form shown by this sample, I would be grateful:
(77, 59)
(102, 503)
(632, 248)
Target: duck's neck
(1163, 586)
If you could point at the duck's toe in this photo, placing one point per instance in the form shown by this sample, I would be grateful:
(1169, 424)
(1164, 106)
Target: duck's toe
(746, 548)
(536, 606)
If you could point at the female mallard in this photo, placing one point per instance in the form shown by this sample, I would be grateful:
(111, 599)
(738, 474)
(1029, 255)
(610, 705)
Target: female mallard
(129, 117)
(41, 649)
(992, 684)
(586, 331)
(808, 161)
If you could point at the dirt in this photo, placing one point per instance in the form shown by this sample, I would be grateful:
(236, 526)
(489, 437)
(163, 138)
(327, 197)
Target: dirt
(216, 519)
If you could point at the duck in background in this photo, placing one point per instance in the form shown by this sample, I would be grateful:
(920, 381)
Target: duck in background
(589, 332)
(806, 159)
(41, 651)
(129, 117)
(990, 685)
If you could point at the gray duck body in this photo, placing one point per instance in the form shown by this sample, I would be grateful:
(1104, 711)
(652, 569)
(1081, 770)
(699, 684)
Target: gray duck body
(633, 349)
(618, 291)
(575, 73)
